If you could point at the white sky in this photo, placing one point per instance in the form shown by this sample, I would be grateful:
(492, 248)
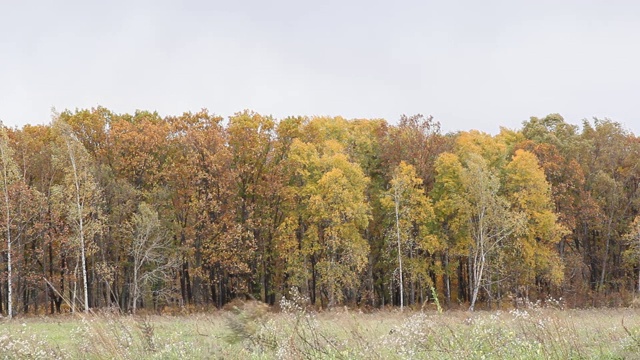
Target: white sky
(470, 64)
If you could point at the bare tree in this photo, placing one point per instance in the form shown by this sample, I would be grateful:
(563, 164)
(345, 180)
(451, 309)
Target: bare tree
(150, 252)
(490, 220)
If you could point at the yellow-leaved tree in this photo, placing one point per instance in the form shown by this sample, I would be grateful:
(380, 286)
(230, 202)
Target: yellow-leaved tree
(534, 254)
(411, 211)
(472, 210)
(327, 224)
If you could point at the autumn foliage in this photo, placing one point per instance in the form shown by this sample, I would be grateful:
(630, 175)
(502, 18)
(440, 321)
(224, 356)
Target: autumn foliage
(143, 212)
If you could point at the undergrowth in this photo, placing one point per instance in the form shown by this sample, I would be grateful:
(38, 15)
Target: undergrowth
(252, 330)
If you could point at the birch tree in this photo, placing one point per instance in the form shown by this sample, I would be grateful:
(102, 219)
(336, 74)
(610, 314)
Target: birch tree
(411, 211)
(485, 220)
(491, 222)
(10, 175)
(80, 195)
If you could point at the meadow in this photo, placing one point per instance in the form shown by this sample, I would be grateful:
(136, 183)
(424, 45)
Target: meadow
(253, 331)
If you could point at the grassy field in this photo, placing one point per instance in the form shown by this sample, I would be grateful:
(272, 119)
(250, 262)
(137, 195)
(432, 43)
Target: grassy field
(253, 331)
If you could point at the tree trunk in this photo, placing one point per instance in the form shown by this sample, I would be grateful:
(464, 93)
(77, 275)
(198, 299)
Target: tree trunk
(447, 279)
(606, 255)
(80, 209)
(5, 173)
(135, 288)
(478, 269)
(313, 279)
(399, 251)
(638, 279)
(9, 272)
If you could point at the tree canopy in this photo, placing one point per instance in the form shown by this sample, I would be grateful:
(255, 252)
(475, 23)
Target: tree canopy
(140, 211)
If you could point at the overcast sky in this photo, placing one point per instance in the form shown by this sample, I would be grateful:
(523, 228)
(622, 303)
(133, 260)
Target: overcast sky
(470, 64)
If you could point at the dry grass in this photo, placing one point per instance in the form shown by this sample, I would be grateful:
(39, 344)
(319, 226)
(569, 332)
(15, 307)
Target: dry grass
(252, 331)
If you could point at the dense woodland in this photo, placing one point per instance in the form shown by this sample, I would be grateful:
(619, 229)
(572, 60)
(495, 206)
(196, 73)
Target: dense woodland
(106, 210)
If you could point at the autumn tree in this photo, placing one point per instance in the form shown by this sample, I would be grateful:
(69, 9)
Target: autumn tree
(536, 256)
(34, 149)
(260, 179)
(92, 128)
(364, 145)
(610, 158)
(332, 212)
(151, 253)
(138, 146)
(349, 211)
(552, 130)
(199, 204)
(559, 148)
(475, 212)
(491, 222)
(632, 254)
(412, 213)
(416, 140)
(10, 176)
(80, 195)
(451, 225)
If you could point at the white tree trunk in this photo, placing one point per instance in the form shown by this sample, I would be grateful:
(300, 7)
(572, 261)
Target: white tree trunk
(479, 261)
(75, 288)
(9, 268)
(84, 268)
(606, 255)
(477, 280)
(5, 173)
(80, 207)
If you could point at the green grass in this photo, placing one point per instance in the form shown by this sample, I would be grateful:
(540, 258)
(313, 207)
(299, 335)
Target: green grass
(252, 331)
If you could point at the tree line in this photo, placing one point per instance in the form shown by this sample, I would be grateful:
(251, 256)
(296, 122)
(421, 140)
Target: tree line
(107, 210)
